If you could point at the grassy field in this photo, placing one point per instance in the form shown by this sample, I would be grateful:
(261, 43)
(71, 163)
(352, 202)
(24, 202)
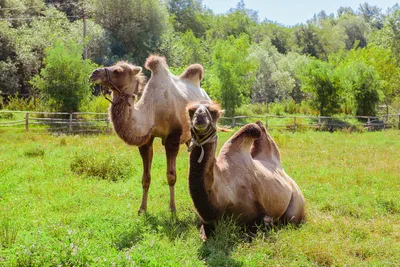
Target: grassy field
(73, 200)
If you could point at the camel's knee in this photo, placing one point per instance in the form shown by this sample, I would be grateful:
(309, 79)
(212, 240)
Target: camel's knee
(146, 180)
(171, 176)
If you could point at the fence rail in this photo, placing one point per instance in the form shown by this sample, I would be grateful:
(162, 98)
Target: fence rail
(293, 122)
(99, 122)
(57, 121)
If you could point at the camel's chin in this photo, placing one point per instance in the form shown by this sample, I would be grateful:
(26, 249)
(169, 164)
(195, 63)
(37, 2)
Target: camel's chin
(201, 128)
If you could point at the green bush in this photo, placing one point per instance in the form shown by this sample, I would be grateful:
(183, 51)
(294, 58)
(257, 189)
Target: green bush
(64, 83)
(18, 103)
(97, 104)
(252, 109)
(107, 167)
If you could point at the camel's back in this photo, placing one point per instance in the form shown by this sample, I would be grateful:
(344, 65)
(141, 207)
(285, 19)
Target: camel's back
(171, 95)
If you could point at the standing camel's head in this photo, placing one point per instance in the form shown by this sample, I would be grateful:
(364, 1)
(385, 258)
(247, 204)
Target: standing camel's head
(122, 77)
(203, 118)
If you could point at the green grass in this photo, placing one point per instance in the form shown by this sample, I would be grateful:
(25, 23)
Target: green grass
(61, 204)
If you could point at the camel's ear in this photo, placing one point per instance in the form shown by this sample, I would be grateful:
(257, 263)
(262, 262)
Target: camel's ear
(118, 70)
(221, 112)
(136, 70)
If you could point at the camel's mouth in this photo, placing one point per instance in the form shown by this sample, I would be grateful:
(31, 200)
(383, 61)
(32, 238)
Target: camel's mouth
(97, 77)
(200, 127)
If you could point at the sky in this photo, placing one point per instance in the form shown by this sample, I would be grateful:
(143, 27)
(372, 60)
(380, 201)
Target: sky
(292, 12)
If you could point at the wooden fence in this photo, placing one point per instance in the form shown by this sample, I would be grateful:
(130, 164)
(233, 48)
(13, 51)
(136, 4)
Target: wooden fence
(99, 122)
(57, 121)
(293, 123)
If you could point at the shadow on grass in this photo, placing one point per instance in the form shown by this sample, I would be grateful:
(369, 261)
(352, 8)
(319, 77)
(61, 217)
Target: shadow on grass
(332, 124)
(170, 226)
(227, 236)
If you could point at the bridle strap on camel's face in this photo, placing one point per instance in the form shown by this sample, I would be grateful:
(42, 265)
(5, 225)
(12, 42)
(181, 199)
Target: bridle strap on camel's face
(105, 89)
(210, 136)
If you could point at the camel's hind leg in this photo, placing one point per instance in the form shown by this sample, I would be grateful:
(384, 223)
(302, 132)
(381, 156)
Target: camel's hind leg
(172, 149)
(146, 152)
(295, 212)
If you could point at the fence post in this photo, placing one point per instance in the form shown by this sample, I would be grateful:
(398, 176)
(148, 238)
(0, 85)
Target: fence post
(369, 123)
(234, 121)
(107, 125)
(70, 122)
(266, 122)
(398, 125)
(319, 123)
(294, 122)
(27, 121)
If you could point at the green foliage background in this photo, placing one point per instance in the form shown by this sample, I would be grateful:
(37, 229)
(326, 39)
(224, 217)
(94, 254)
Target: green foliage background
(247, 59)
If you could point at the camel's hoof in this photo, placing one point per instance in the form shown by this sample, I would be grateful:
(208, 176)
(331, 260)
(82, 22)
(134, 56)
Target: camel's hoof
(141, 211)
(268, 221)
(203, 234)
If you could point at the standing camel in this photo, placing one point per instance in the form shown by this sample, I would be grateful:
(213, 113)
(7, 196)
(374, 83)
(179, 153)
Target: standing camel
(246, 181)
(160, 112)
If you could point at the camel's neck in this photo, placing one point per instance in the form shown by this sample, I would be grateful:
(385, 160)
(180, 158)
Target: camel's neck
(201, 174)
(133, 123)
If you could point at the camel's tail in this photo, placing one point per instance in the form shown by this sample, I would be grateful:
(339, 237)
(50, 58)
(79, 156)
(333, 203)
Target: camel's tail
(153, 62)
(223, 130)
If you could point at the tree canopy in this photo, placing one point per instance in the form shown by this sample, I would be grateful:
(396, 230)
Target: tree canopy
(348, 62)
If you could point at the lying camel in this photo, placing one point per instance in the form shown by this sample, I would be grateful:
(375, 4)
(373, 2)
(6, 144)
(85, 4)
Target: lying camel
(160, 112)
(246, 181)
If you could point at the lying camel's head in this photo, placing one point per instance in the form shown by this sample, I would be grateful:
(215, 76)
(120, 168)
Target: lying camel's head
(204, 117)
(122, 77)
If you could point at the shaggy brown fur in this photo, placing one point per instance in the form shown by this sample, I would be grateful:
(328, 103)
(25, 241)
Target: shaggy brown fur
(161, 112)
(246, 181)
(193, 72)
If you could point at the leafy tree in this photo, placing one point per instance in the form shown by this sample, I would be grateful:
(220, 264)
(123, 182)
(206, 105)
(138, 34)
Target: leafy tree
(189, 15)
(308, 41)
(372, 61)
(280, 36)
(293, 63)
(345, 11)
(271, 82)
(63, 82)
(134, 28)
(364, 84)
(184, 49)
(236, 22)
(356, 31)
(318, 79)
(230, 79)
(371, 14)
(389, 36)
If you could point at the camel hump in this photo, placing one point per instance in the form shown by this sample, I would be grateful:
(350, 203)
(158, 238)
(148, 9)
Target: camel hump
(265, 146)
(193, 73)
(251, 130)
(242, 139)
(153, 62)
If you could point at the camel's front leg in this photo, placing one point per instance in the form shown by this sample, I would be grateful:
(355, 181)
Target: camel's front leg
(146, 151)
(172, 149)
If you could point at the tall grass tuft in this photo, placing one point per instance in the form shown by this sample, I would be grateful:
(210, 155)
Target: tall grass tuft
(8, 232)
(108, 167)
(34, 152)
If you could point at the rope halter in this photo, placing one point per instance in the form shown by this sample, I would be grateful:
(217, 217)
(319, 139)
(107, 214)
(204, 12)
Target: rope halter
(105, 91)
(210, 136)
